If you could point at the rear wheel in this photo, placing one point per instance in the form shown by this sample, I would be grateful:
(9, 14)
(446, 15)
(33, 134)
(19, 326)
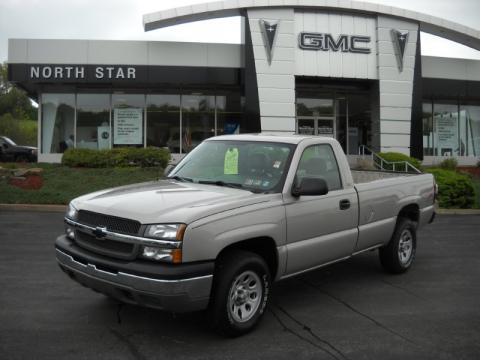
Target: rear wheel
(240, 292)
(398, 256)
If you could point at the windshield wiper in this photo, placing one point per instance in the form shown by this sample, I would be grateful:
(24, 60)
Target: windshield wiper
(181, 178)
(221, 183)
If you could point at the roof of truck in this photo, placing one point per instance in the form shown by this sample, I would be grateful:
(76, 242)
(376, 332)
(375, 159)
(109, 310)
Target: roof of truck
(270, 137)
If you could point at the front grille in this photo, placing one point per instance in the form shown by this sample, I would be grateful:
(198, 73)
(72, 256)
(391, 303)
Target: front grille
(112, 223)
(104, 246)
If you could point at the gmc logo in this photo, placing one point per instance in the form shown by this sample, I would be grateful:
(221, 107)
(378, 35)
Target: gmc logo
(326, 42)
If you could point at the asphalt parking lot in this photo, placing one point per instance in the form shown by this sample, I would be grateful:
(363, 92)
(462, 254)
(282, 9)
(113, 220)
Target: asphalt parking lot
(351, 310)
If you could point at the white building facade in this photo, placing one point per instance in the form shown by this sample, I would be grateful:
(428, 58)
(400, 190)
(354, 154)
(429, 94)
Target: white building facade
(346, 69)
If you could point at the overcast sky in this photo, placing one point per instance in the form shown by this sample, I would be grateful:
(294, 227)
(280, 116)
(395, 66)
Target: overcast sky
(122, 20)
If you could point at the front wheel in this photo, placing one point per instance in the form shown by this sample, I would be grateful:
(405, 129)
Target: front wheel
(240, 292)
(398, 256)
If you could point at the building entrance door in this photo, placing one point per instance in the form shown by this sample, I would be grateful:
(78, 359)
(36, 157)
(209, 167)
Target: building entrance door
(344, 115)
(316, 125)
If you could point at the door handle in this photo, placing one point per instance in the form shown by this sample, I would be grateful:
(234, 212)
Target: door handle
(344, 204)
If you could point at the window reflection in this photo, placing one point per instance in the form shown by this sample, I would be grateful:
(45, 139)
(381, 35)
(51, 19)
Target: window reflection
(163, 121)
(198, 120)
(229, 114)
(93, 121)
(428, 132)
(58, 117)
(470, 129)
(179, 122)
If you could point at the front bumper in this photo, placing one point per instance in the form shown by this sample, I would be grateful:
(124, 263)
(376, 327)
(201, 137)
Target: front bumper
(177, 288)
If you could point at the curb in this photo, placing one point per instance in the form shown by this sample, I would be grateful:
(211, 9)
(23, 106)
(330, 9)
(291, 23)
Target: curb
(458, 211)
(33, 207)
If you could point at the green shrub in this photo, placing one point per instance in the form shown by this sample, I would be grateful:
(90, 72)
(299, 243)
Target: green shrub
(455, 190)
(21, 131)
(395, 156)
(118, 157)
(449, 164)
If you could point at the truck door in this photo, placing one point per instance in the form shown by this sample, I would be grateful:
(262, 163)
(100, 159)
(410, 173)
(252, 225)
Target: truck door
(320, 229)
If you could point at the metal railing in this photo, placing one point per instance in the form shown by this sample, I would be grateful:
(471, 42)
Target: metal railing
(384, 165)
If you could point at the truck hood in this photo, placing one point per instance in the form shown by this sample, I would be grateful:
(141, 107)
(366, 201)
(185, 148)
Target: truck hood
(167, 201)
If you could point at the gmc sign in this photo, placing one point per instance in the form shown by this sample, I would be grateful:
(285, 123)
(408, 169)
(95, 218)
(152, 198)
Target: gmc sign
(326, 42)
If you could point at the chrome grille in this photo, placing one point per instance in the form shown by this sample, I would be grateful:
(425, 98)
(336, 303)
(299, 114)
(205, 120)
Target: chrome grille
(104, 246)
(112, 223)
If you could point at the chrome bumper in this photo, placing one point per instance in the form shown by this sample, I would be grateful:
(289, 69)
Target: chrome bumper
(180, 295)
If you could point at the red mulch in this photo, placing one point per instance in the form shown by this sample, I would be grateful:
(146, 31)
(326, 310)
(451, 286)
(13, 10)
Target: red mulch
(28, 182)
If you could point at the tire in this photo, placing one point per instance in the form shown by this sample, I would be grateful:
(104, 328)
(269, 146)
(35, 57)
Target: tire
(240, 293)
(398, 255)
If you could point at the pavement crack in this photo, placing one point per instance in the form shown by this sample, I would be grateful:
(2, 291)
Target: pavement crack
(130, 345)
(376, 322)
(311, 332)
(403, 289)
(303, 338)
(119, 311)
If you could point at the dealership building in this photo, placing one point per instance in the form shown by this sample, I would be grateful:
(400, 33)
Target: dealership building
(347, 69)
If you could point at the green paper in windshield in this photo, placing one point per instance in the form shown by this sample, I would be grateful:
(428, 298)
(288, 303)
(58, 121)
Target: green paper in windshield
(231, 162)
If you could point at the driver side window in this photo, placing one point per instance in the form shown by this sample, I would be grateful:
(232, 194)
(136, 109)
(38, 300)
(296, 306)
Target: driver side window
(319, 161)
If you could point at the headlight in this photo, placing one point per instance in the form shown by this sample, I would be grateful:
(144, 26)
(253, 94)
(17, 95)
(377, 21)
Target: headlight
(72, 212)
(172, 232)
(160, 254)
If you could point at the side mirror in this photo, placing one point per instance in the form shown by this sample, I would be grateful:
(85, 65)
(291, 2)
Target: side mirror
(310, 186)
(168, 169)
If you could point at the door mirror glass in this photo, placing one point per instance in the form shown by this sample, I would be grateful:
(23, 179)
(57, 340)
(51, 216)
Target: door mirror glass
(310, 186)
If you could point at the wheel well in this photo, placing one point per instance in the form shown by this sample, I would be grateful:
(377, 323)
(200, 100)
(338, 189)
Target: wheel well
(265, 247)
(411, 212)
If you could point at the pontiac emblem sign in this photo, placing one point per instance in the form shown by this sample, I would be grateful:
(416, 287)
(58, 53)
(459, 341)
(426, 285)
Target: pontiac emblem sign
(269, 32)
(400, 39)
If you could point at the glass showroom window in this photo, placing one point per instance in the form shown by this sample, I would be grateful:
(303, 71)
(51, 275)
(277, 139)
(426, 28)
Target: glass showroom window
(127, 119)
(428, 131)
(93, 121)
(163, 121)
(229, 114)
(58, 119)
(198, 120)
(359, 122)
(446, 125)
(470, 129)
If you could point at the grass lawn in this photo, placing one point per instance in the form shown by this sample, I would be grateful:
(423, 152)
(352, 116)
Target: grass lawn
(62, 184)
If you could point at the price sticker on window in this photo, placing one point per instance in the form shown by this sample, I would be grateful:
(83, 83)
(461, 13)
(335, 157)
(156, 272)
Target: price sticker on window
(231, 162)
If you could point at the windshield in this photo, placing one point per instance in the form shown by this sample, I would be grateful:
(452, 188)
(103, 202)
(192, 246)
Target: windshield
(8, 141)
(252, 165)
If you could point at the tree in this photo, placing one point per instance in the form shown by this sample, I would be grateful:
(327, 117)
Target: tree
(14, 101)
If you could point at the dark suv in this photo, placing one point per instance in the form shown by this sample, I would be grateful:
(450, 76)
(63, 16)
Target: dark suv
(9, 151)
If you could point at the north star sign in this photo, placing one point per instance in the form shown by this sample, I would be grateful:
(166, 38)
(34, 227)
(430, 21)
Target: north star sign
(79, 72)
(326, 42)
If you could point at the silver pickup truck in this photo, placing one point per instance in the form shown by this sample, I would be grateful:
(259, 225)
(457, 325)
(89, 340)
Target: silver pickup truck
(236, 214)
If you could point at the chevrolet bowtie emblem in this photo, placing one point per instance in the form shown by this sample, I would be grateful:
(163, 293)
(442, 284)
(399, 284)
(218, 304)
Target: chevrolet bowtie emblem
(269, 32)
(100, 232)
(400, 40)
